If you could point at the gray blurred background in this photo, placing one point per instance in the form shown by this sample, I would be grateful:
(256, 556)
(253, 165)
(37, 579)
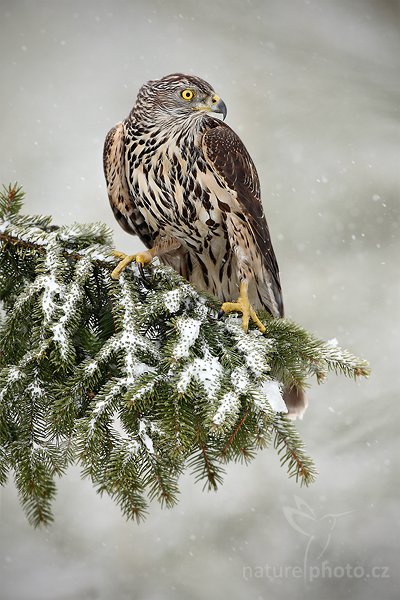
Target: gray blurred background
(312, 87)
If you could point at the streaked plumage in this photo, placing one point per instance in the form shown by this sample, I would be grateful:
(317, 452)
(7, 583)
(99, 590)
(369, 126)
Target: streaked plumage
(181, 173)
(183, 181)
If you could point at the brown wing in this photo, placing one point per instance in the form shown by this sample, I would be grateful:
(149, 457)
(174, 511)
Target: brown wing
(121, 201)
(227, 154)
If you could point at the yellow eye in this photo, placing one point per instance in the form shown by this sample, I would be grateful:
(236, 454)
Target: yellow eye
(187, 94)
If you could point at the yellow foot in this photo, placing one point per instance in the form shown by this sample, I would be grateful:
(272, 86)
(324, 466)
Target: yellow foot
(243, 305)
(142, 258)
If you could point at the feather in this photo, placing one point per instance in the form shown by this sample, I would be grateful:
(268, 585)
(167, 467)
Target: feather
(121, 200)
(228, 156)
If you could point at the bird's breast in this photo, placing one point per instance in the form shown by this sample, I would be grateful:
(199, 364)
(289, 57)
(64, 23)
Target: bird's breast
(179, 195)
(177, 192)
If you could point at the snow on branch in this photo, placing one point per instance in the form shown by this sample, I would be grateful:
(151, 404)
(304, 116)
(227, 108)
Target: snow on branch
(135, 379)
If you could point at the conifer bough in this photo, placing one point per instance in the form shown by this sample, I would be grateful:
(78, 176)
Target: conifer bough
(136, 379)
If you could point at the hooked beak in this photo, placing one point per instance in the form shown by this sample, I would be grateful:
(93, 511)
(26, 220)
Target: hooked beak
(219, 106)
(215, 104)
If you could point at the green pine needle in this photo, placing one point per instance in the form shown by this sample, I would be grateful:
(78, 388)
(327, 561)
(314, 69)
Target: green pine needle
(135, 380)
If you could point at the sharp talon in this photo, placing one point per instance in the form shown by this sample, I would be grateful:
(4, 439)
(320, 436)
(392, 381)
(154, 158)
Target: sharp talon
(126, 259)
(257, 321)
(243, 305)
(142, 274)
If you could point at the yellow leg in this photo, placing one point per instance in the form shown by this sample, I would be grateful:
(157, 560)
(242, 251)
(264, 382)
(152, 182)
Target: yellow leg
(243, 305)
(142, 257)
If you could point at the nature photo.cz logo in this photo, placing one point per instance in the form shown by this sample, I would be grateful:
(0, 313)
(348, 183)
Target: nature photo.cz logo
(318, 532)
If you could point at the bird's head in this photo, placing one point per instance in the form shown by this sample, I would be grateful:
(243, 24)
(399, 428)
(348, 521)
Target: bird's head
(178, 96)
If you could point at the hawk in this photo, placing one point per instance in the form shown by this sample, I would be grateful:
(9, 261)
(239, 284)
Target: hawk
(182, 181)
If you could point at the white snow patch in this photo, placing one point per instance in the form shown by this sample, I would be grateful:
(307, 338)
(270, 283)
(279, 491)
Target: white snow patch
(96, 252)
(230, 406)
(14, 373)
(254, 354)
(59, 335)
(189, 330)
(135, 370)
(100, 404)
(48, 281)
(252, 345)
(73, 296)
(71, 232)
(133, 447)
(202, 311)
(91, 367)
(207, 371)
(240, 379)
(36, 391)
(50, 289)
(131, 341)
(172, 300)
(272, 391)
(146, 439)
(142, 391)
(185, 378)
(261, 403)
(37, 447)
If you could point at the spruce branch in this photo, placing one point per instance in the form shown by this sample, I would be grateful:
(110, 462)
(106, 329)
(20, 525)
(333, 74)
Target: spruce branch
(136, 379)
(291, 451)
